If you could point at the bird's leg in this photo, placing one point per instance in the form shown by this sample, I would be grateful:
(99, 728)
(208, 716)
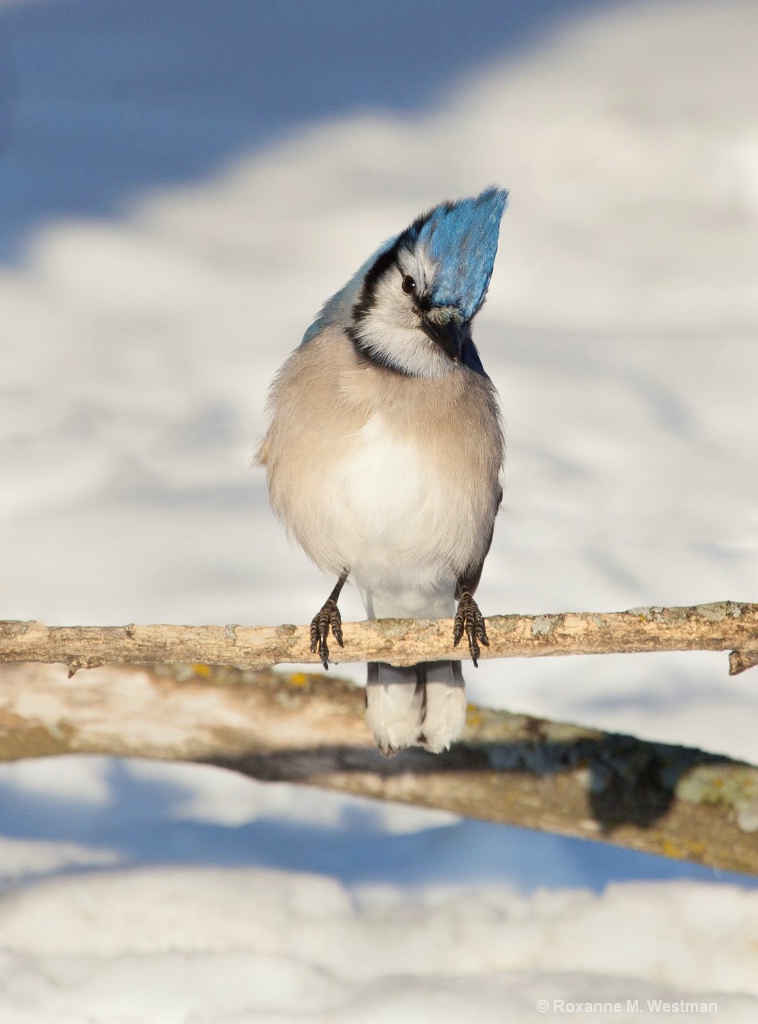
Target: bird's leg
(470, 620)
(328, 618)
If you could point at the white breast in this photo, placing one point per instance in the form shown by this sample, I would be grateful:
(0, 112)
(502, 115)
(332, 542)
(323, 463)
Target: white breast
(394, 526)
(383, 484)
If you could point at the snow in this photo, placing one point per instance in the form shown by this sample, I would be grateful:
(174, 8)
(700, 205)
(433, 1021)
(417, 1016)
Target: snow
(153, 943)
(138, 339)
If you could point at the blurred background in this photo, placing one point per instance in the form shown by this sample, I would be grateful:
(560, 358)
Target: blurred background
(181, 187)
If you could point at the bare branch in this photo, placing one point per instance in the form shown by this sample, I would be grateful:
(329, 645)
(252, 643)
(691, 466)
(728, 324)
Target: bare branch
(309, 729)
(723, 626)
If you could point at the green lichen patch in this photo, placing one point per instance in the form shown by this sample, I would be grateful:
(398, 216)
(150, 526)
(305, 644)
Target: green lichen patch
(543, 625)
(732, 786)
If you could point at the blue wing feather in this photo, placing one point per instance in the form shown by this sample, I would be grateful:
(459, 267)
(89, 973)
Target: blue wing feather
(337, 310)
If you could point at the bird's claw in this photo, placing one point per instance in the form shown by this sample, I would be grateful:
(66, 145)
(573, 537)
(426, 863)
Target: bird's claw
(328, 618)
(470, 620)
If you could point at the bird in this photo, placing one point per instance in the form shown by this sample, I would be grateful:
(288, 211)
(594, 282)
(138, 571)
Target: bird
(384, 455)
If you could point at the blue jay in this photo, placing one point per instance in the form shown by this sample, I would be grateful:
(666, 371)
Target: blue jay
(385, 451)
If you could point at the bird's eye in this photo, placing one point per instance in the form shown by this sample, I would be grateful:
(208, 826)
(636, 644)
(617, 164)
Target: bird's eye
(409, 285)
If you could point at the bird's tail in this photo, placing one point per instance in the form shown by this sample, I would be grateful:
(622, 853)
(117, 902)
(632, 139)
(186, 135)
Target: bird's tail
(422, 705)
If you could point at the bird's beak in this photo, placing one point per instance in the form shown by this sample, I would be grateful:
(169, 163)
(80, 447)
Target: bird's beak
(448, 334)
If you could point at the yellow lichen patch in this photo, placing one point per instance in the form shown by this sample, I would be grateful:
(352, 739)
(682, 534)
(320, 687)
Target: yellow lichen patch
(298, 679)
(201, 670)
(669, 849)
(473, 715)
(690, 849)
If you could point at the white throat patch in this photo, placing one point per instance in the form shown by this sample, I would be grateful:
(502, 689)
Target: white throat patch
(391, 331)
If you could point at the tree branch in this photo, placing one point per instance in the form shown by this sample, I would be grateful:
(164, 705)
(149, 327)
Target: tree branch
(509, 768)
(722, 626)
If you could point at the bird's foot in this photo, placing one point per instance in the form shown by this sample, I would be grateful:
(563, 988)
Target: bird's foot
(328, 618)
(469, 620)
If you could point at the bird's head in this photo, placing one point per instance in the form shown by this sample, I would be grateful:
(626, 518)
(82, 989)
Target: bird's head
(417, 296)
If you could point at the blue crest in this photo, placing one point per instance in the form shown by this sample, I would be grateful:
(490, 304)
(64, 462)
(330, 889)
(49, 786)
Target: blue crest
(461, 240)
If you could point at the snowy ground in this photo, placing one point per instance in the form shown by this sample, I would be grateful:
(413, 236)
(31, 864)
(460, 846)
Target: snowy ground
(622, 333)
